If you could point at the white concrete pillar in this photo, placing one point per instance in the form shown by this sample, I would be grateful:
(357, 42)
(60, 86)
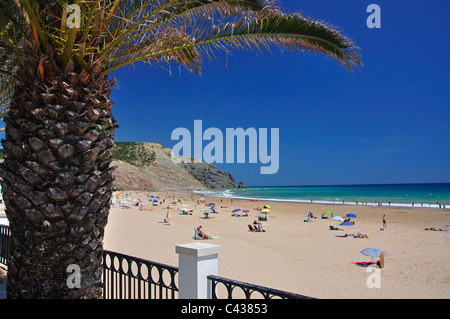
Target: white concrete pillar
(196, 261)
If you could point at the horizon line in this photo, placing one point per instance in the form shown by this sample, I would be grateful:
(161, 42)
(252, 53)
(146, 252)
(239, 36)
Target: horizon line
(323, 185)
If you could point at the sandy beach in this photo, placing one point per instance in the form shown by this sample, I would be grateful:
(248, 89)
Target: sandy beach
(301, 257)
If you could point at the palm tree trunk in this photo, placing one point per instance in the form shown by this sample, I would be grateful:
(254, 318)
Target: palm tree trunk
(57, 184)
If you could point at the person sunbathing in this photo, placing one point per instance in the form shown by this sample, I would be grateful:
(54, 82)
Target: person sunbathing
(201, 234)
(258, 226)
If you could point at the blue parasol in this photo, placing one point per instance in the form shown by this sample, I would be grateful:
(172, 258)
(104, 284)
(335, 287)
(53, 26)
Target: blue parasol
(346, 224)
(372, 252)
(351, 215)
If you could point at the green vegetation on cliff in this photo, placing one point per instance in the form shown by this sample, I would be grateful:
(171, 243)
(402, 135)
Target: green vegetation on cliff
(134, 153)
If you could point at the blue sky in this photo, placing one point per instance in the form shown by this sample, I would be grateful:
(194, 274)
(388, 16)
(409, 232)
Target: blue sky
(386, 123)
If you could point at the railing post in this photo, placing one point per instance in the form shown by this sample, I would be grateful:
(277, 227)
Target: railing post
(196, 262)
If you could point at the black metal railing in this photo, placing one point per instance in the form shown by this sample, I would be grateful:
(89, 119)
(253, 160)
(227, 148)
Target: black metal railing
(243, 290)
(127, 277)
(5, 235)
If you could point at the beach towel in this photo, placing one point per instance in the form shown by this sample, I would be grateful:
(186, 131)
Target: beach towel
(165, 222)
(364, 263)
(435, 229)
(195, 233)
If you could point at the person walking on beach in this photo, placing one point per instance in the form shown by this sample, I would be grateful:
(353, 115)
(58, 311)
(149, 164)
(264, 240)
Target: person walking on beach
(384, 222)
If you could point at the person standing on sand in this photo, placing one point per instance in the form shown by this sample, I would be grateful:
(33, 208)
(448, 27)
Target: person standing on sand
(384, 222)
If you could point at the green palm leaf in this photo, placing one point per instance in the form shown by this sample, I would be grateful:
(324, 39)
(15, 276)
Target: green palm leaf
(115, 33)
(291, 32)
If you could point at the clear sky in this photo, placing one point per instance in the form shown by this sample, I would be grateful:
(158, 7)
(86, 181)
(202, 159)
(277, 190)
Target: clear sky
(386, 123)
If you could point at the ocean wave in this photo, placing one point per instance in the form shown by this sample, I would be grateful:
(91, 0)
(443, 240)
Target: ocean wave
(327, 201)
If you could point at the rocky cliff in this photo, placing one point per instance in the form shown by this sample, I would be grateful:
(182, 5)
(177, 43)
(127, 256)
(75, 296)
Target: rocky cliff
(149, 165)
(209, 175)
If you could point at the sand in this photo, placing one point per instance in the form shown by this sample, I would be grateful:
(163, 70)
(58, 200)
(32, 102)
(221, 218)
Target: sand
(297, 256)
(292, 255)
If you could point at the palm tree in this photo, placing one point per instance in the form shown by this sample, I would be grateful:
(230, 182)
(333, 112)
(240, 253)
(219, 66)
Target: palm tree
(55, 60)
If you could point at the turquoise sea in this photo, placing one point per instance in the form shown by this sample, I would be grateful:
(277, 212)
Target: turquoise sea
(405, 195)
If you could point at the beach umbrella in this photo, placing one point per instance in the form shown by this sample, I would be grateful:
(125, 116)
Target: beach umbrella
(339, 218)
(212, 204)
(201, 198)
(351, 215)
(265, 210)
(328, 211)
(260, 215)
(209, 211)
(372, 252)
(236, 210)
(155, 201)
(346, 224)
(245, 211)
(267, 206)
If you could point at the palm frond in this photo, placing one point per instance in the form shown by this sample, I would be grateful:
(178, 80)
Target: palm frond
(288, 31)
(115, 33)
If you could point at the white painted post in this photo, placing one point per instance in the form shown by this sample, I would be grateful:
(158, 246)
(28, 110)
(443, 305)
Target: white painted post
(196, 261)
